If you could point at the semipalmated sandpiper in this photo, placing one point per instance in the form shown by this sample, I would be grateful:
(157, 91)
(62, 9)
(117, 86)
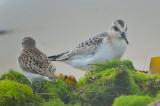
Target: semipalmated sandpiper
(34, 64)
(97, 49)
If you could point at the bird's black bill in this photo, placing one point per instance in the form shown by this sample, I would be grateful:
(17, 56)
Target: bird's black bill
(124, 37)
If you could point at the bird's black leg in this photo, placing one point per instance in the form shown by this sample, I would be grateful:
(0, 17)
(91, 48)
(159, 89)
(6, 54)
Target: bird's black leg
(33, 88)
(40, 87)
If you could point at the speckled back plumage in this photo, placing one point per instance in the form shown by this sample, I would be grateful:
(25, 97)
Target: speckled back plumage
(87, 47)
(34, 61)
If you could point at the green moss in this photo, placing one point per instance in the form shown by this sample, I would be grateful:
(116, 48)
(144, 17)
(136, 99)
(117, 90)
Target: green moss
(59, 90)
(14, 75)
(83, 79)
(13, 93)
(113, 64)
(111, 80)
(157, 96)
(132, 101)
(106, 82)
(57, 102)
(147, 83)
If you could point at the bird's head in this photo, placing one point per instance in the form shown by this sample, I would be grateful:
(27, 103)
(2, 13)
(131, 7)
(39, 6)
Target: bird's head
(28, 42)
(119, 29)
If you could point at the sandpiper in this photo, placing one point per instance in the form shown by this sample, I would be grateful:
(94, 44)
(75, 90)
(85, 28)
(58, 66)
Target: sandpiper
(34, 64)
(97, 49)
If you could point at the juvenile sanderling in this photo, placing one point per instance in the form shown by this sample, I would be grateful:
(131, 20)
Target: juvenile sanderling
(97, 49)
(34, 64)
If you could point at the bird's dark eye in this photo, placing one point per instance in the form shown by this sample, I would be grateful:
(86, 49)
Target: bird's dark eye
(116, 28)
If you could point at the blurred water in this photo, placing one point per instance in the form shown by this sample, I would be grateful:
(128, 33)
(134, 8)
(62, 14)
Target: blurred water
(59, 25)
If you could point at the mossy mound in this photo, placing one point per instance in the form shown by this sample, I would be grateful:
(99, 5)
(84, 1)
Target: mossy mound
(58, 102)
(113, 64)
(132, 101)
(111, 80)
(55, 102)
(99, 87)
(13, 93)
(60, 90)
(14, 76)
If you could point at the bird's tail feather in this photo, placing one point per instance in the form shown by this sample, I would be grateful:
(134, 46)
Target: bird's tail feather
(58, 57)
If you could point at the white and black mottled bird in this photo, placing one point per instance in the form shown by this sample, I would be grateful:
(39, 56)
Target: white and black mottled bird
(97, 49)
(34, 64)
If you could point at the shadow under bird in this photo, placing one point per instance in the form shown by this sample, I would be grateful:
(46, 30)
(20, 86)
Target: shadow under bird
(34, 64)
(97, 49)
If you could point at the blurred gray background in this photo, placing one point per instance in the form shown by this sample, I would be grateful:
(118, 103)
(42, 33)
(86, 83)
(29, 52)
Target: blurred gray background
(60, 25)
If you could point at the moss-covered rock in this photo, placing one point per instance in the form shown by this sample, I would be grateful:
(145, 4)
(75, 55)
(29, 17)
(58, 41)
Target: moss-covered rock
(149, 84)
(13, 93)
(111, 80)
(132, 101)
(50, 91)
(59, 90)
(100, 87)
(113, 64)
(14, 76)
(57, 102)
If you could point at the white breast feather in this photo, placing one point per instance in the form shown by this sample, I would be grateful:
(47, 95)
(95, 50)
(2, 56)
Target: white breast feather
(105, 52)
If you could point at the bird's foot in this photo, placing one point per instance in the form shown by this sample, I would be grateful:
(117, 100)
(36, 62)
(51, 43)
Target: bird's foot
(33, 88)
(39, 88)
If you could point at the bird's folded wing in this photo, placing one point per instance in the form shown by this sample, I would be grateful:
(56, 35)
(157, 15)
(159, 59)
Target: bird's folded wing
(37, 64)
(87, 47)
